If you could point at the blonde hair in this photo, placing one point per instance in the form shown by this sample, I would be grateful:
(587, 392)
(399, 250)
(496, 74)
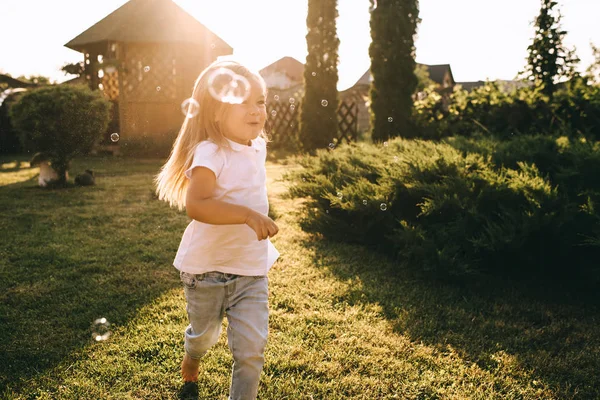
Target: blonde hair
(171, 183)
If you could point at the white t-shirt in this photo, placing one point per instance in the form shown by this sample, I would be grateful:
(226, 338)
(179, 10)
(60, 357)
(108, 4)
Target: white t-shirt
(241, 180)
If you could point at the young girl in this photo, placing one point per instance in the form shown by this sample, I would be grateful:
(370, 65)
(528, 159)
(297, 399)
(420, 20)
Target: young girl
(216, 170)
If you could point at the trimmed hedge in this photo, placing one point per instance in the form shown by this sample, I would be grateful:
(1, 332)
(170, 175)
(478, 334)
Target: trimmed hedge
(463, 208)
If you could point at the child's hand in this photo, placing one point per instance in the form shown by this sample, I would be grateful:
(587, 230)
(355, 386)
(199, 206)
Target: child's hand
(262, 225)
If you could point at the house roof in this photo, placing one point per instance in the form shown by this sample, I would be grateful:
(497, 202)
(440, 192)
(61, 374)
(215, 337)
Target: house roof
(289, 66)
(436, 73)
(468, 86)
(147, 21)
(15, 83)
(505, 85)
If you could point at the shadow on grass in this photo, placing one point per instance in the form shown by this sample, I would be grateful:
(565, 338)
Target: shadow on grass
(188, 391)
(70, 256)
(547, 330)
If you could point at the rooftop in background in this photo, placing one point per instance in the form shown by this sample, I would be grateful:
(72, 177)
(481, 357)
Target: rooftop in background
(438, 73)
(148, 21)
(287, 72)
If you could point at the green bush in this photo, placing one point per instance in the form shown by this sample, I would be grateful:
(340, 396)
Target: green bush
(449, 213)
(63, 121)
(495, 111)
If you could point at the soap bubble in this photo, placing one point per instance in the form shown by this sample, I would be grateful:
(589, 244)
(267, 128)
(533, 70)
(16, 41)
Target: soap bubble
(114, 137)
(146, 68)
(314, 74)
(364, 202)
(190, 107)
(101, 329)
(390, 119)
(292, 100)
(340, 195)
(276, 97)
(292, 107)
(273, 113)
(385, 144)
(158, 88)
(383, 206)
(331, 146)
(324, 103)
(228, 87)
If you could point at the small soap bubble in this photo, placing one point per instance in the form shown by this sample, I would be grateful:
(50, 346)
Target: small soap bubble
(228, 87)
(190, 107)
(331, 146)
(273, 113)
(327, 211)
(364, 202)
(314, 74)
(101, 329)
(385, 144)
(340, 195)
(114, 137)
(146, 68)
(276, 97)
(292, 100)
(383, 206)
(303, 179)
(292, 107)
(324, 103)
(390, 119)
(158, 88)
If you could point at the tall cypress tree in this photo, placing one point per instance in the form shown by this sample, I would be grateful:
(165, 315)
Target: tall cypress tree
(318, 119)
(392, 51)
(549, 60)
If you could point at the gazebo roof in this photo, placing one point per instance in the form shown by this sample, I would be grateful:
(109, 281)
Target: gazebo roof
(147, 21)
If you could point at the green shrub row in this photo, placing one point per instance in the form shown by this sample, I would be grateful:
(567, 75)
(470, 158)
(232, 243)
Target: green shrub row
(460, 209)
(574, 110)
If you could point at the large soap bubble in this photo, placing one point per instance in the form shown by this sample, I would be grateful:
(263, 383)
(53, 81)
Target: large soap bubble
(228, 87)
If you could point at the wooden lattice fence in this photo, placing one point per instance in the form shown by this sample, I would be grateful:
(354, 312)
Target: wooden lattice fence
(283, 122)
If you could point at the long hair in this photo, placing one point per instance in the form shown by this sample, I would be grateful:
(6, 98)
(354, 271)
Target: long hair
(171, 183)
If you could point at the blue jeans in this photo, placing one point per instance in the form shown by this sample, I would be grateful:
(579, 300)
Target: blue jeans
(245, 301)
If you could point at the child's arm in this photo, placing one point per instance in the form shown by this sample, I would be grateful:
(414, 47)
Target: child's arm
(201, 207)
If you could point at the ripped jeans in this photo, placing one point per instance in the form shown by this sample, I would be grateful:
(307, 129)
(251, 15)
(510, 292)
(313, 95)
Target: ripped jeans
(244, 299)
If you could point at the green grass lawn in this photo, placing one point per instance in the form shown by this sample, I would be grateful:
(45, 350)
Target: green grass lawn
(342, 326)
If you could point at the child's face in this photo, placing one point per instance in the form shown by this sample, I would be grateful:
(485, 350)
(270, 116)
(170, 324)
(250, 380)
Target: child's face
(243, 122)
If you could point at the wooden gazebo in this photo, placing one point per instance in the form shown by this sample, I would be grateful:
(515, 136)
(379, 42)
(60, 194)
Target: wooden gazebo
(145, 57)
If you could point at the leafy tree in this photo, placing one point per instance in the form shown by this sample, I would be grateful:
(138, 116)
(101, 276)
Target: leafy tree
(392, 51)
(318, 114)
(593, 71)
(62, 121)
(73, 69)
(423, 79)
(549, 60)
